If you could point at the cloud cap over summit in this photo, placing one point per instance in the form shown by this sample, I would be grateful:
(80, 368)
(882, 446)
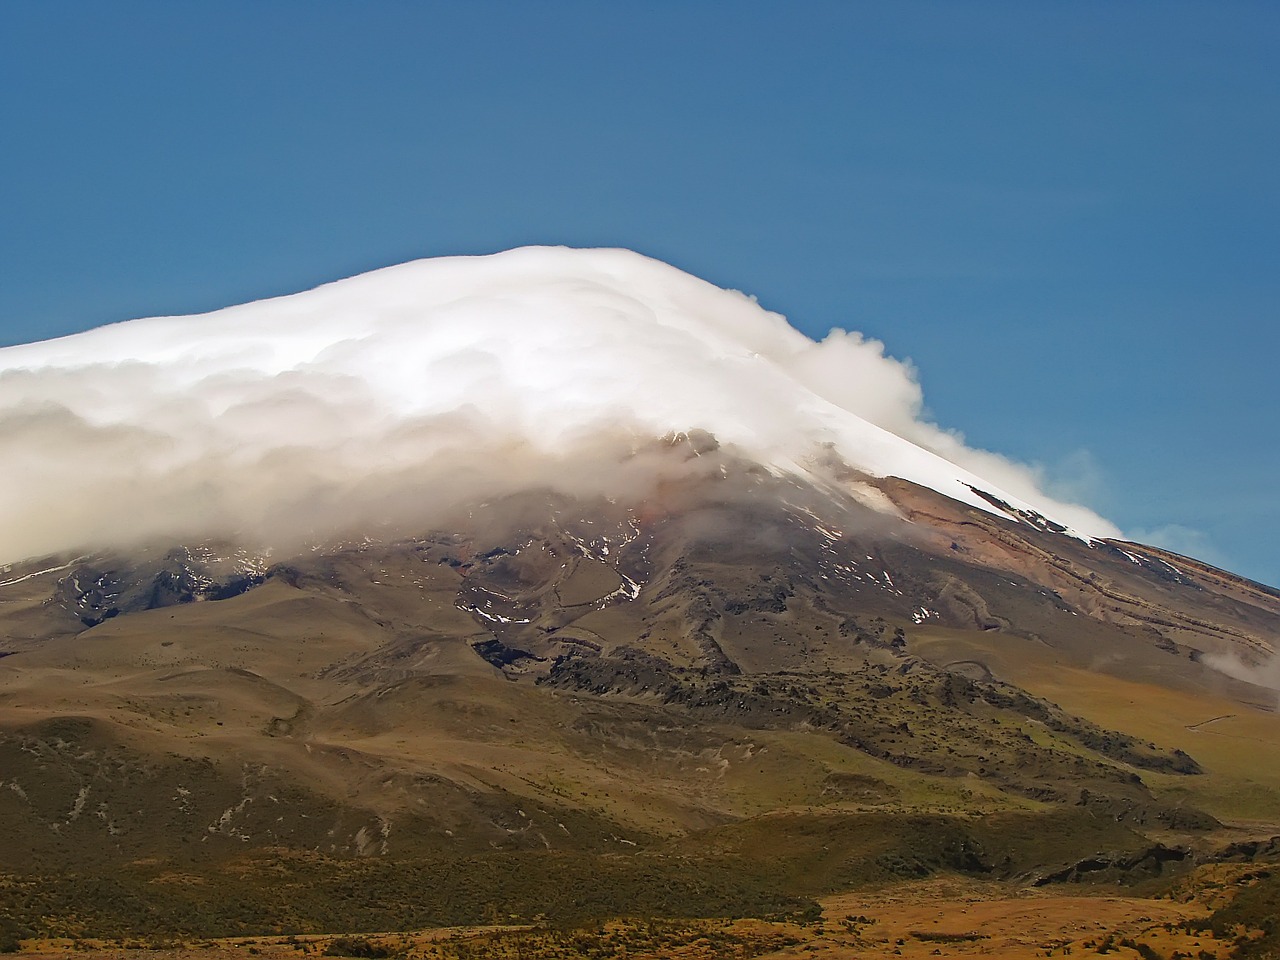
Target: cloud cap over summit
(414, 387)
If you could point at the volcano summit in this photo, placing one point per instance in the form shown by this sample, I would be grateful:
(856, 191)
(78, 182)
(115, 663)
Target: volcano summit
(560, 584)
(385, 397)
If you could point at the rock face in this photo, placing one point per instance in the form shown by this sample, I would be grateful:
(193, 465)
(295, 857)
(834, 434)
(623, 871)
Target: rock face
(549, 676)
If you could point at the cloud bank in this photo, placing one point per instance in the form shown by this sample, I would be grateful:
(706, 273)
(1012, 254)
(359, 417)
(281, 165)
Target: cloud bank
(425, 385)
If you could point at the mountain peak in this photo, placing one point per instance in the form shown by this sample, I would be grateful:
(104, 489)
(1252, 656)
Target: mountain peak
(435, 380)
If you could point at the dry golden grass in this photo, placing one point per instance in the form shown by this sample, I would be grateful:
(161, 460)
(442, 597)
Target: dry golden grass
(1237, 744)
(948, 917)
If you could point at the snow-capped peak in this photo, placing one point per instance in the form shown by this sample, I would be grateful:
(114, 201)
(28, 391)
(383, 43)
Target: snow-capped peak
(439, 378)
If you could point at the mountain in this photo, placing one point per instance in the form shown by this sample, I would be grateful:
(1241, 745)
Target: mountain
(626, 644)
(404, 394)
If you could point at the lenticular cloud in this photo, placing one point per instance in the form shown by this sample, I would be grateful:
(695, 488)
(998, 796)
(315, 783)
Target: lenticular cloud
(416, 387)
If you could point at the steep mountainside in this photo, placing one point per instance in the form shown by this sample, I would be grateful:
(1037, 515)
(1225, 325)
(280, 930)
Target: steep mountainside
(575, 677)
(561, 583)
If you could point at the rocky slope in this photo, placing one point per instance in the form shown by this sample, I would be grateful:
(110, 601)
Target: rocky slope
(590, 678)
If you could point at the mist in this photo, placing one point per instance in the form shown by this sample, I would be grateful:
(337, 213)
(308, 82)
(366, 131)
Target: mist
(1264, 671)
(398, 395)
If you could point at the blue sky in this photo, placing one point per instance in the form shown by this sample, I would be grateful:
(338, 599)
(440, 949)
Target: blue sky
(1067, 215)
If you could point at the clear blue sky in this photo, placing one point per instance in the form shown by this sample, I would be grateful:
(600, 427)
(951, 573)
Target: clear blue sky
(1067, 214)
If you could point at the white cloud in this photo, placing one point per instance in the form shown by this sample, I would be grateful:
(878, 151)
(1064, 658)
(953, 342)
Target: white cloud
(411, 388)
(1265, 672)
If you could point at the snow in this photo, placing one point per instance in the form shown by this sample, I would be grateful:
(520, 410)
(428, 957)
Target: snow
(489, 615)
(357, 398)
(41, 573)
(627, 590)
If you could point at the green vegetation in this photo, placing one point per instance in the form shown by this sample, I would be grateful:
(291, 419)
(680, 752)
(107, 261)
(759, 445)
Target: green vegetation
(361, 947)
(632, 938)
(315, 894)
(11, 934)
(1255, 908)
(769, 867)
(897, 716)
(932, 937)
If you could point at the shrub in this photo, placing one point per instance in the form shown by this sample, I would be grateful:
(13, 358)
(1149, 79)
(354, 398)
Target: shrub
(356, 947)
